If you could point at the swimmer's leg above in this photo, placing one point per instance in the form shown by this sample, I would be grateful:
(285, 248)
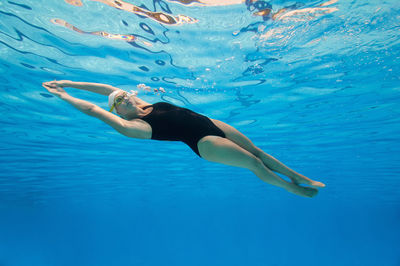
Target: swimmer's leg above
(237, 137)
(222, 150)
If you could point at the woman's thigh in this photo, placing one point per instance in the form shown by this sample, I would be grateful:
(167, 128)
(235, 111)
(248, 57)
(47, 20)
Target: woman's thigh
(237, 137)
(223, 150)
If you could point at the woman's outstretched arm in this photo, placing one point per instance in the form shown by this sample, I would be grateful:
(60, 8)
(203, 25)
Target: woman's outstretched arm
(133, 129)
(103, 89)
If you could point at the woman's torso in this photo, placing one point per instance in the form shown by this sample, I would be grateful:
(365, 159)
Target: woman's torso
(170, 122)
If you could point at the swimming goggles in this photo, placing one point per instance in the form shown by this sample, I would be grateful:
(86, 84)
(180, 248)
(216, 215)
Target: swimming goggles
(118, 100)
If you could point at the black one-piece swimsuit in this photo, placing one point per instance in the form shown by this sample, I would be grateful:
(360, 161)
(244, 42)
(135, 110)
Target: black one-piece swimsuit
(170, 122)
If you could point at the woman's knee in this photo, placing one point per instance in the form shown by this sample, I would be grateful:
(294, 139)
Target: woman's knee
(257, 151)
(237, 137)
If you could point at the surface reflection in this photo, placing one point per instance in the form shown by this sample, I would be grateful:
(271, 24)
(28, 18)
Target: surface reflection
(160, 17)
(124, 37)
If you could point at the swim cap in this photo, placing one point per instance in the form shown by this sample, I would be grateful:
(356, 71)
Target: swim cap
(112, 95)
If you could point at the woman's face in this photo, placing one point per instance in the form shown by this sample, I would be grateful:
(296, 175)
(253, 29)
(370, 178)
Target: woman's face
(127, 108)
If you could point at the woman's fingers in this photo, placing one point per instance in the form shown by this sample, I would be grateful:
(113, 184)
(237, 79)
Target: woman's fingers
(53, 88)
(58, 91)
(51, 83)
(48, 88)
(48, 84)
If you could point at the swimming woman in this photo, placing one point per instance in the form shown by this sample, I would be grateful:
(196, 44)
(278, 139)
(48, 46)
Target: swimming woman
(210, 139)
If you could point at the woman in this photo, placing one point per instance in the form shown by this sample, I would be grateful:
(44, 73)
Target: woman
(211, 139)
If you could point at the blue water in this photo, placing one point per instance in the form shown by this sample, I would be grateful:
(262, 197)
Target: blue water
(319, 91)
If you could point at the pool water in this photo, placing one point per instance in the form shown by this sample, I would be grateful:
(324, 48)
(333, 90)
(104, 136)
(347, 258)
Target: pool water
(315, 84)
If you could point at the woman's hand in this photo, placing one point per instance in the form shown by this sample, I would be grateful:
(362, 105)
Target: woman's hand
(59, 83)
(54, 88)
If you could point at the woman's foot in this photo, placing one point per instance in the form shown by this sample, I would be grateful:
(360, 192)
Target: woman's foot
(317, 184)
(305, 180)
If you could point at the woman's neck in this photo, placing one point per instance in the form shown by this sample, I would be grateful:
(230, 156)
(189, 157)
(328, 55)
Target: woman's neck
(140, 102)
(142, 111)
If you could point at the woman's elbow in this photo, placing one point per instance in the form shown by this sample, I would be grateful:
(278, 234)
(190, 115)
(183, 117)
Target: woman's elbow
(91, 110)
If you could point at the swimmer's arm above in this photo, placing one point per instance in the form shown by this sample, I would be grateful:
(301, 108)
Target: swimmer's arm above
(103, 89)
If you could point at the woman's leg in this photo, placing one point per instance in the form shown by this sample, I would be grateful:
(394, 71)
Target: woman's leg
(222, 150)
(237, 137)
